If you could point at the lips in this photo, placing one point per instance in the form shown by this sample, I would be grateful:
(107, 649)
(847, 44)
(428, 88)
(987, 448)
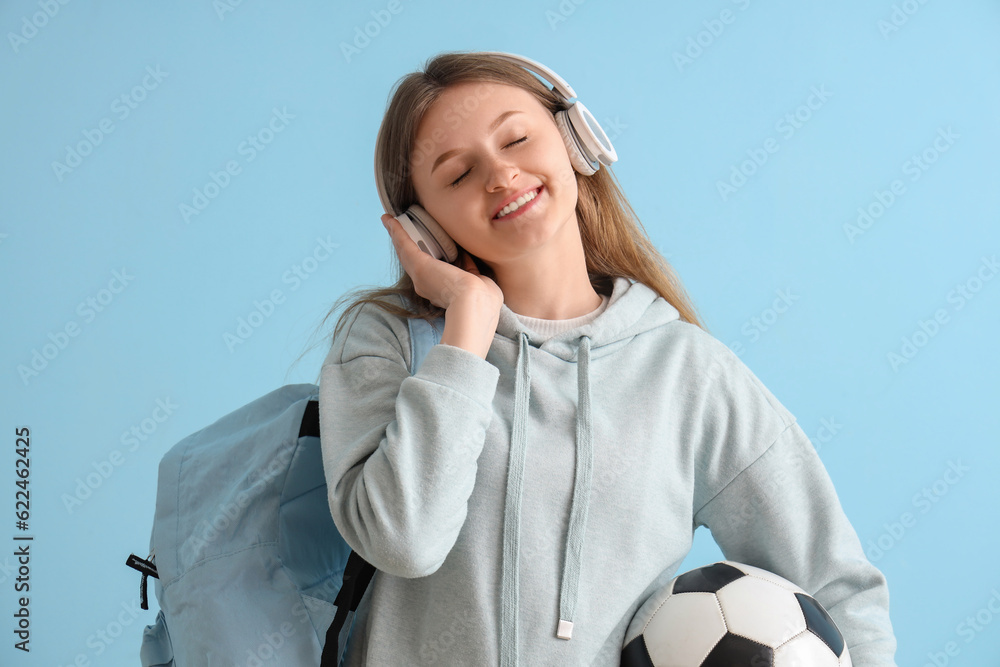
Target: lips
(537, 190)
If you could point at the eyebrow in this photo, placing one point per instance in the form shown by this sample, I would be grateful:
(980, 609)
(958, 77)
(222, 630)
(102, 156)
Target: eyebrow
(493, 128)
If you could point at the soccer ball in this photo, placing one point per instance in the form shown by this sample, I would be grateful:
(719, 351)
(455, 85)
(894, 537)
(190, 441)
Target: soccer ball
(729, 614)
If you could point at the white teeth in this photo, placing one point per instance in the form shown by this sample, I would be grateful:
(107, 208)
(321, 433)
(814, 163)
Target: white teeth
(517, 203)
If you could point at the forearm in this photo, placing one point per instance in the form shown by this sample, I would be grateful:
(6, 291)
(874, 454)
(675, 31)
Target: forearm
(470, 323)
(401, 465)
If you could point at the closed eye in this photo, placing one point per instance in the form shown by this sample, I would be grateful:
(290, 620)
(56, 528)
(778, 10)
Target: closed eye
(462, 177)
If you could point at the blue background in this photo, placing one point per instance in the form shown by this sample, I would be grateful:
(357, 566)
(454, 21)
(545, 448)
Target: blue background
(894, 76)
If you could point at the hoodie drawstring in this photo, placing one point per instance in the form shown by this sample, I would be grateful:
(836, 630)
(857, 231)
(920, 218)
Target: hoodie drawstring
(581, 496)
(570, 578)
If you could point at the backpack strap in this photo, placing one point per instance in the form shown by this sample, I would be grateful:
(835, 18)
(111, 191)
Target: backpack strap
(358, 573)
(423, 336)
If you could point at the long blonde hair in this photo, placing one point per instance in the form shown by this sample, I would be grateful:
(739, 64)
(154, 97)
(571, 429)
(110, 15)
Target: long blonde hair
(614, 241)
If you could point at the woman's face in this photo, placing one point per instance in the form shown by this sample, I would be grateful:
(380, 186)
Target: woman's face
(477, 147)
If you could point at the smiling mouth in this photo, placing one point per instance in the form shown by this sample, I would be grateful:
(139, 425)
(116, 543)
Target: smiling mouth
(512, 212)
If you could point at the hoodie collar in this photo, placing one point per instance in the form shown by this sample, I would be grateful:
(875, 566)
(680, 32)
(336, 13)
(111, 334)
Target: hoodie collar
(632, 309)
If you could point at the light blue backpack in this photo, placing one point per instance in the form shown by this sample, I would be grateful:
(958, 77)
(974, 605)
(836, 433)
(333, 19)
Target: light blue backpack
(250, 567)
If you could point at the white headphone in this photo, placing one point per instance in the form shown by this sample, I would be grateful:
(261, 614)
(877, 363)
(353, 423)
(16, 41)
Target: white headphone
(586, 142)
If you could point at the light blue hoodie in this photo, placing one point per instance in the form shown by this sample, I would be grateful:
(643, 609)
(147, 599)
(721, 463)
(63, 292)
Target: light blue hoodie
(555, 485)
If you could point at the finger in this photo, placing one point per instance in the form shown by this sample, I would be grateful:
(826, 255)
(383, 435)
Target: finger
(411, 257)
(389, 223)
(391, 226)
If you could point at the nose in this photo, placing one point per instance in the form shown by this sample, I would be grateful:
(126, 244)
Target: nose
(501, 174)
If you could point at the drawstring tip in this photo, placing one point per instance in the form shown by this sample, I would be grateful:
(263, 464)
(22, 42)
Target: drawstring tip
(565, 629)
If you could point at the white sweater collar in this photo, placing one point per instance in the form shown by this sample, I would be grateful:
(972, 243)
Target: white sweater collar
(548, 328)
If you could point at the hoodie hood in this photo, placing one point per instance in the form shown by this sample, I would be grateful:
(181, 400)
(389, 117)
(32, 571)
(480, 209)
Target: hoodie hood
(632, 309)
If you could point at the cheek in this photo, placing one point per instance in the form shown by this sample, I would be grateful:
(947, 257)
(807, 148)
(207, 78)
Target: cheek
(558, 162)
(454, 218)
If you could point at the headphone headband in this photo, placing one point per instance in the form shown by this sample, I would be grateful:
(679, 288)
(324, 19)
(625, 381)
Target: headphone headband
(558, 83)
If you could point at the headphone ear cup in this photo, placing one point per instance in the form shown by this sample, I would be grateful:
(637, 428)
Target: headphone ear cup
(577, 157)
(424, 219)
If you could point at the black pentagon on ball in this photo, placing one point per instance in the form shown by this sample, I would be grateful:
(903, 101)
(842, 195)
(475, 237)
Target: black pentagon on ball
(708, 579)
(735, 650)
(819, 623)
(635, 654)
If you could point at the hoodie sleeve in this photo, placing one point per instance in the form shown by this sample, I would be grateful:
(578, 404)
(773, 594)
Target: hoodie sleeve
(769, 502)
(400, 451)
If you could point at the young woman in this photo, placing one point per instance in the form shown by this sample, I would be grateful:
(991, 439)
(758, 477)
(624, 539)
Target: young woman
(544, 470)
